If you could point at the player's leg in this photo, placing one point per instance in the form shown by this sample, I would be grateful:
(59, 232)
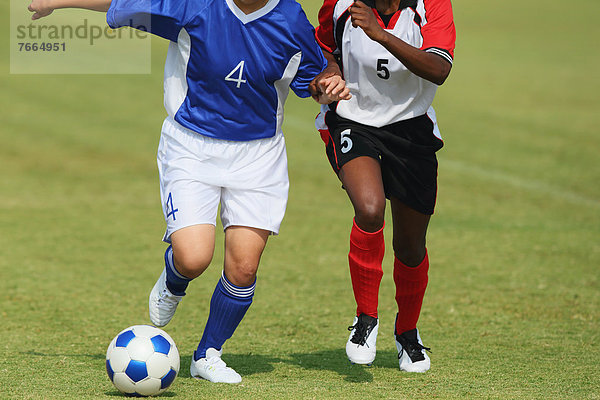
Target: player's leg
(409, 170)
(362, 180)
(253, 202)
(411, 266)
(192, 252)
(231, 299)
(190, 209)
(193, 248)
(187, 258)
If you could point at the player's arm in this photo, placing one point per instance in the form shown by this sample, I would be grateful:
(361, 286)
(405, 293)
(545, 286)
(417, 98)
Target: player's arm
(164, 18)
(43, 8)
(426, 65)
(331, 89)
(329, 86)
(332, 69)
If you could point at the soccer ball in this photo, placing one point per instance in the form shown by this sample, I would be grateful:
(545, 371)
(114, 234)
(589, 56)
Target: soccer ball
(142, 360)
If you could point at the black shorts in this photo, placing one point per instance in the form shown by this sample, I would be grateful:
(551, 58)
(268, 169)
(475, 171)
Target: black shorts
(406, 152)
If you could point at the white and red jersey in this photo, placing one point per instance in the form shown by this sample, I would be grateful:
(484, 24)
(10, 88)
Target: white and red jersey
(383, 90)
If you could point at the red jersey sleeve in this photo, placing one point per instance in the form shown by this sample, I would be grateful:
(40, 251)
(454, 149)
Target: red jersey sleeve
(439, 31)
(324, 32)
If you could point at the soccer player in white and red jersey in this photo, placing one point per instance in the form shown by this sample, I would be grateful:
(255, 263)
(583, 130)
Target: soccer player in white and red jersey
(229, 69)
(381, 143)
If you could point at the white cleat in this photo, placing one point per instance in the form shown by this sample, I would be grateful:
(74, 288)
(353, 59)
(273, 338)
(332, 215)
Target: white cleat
(362, 343)
(411, 352)
(162, 303)
(213, 369)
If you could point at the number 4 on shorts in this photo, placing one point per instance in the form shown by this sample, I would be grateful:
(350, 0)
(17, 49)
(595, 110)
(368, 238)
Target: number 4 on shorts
(170, 210)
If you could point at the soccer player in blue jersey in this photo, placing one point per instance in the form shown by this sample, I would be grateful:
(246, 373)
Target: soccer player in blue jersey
(229, 68)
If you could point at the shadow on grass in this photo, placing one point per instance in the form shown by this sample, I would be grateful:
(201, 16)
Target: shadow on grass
(245, 364)
(112, 393)
(336, 360)
(326, 360)
(333, 360)
(116, 393)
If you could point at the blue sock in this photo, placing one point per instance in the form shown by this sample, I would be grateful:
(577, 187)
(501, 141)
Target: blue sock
(228, 306)
(176, 282)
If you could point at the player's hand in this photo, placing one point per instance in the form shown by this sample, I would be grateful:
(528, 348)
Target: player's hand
(362, 16)
(332, 69)
(330, 89)
(40, 8)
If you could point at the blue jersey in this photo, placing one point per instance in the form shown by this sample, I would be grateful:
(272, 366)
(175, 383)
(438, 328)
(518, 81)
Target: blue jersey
(227, 73)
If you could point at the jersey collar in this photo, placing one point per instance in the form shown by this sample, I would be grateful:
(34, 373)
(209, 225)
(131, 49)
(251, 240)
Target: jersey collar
(403, 3)
(245, 18)
(407, 3)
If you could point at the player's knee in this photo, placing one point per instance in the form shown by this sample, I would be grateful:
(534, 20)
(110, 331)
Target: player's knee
(191, 264)
(242, 273)
(370, 215)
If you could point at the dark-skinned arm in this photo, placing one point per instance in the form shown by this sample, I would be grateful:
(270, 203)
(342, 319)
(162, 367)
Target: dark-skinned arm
(332, 69)
(426, 65)
(329, 86)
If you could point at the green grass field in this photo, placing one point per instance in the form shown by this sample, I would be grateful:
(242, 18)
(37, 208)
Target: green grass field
(513, 306)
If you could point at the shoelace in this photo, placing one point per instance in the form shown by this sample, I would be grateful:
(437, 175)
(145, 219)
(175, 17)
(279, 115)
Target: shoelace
(216, 362)
(414, 349)
(360, 334)
(169, 301)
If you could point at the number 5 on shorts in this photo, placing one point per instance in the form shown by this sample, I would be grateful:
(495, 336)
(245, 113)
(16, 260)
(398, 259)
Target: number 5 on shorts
(345, 141)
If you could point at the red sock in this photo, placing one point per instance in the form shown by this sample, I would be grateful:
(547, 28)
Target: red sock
(365, 257)
(410, 289)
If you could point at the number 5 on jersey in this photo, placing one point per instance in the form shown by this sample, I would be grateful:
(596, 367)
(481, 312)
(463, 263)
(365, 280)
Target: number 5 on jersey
(382, 71)
(240, 71)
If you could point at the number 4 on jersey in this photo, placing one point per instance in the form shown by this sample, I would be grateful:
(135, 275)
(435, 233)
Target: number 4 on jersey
(238, 80)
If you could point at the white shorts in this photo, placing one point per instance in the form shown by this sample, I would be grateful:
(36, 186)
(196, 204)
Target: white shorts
(249, 180)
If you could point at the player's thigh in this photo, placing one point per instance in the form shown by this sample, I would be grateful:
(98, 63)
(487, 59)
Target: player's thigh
(362, 180)
(189, 196)
(409, 163)
(243, 249)
(358, 165)
(193, 248)
(255, 193)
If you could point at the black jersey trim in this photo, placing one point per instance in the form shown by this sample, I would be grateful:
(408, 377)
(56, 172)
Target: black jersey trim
(417, 18)
(340, 25)
(440, 52)
(403, 3)
(407, 3)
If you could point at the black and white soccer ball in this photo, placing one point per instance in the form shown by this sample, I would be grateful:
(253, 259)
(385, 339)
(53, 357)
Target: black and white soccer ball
(142, 360)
